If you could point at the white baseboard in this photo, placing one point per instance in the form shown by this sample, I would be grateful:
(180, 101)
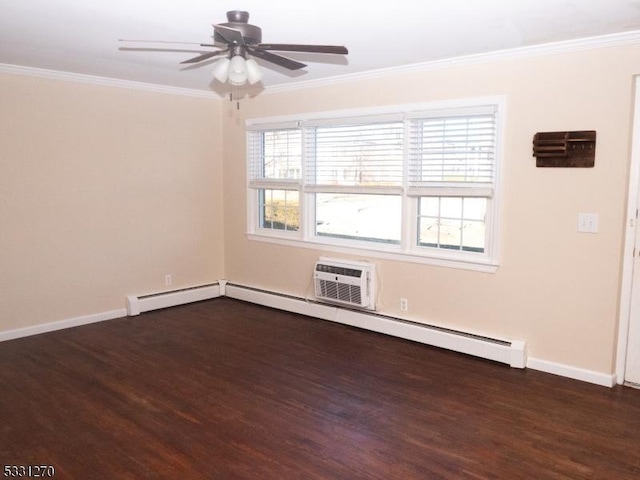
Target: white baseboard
(145, 303)
(512, 353)
(61, 324)
(135, 305)
(598, 378)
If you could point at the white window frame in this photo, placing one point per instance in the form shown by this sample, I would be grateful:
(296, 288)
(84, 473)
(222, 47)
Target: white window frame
(408, 249)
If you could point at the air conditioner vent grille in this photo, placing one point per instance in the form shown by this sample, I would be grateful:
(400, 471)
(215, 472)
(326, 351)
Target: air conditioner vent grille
(349, 283)
(328, 289)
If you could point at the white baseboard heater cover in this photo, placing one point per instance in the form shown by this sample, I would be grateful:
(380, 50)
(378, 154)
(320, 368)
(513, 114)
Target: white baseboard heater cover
(145, 303)
(345, 282)
(510, 352)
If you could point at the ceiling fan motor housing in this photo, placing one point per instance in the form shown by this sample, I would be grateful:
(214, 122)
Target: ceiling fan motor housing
(238, 19)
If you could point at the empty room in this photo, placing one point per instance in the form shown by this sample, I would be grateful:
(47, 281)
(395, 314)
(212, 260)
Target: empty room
(291, 240)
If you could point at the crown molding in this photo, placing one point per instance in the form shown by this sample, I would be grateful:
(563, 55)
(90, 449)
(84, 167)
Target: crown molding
(567, 46)
(103, 81)
(589, 43)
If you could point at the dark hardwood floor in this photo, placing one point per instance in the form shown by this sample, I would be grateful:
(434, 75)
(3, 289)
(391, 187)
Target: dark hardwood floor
(229, 390)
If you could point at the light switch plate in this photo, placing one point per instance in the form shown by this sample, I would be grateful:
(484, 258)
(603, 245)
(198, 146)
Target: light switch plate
(588, 222)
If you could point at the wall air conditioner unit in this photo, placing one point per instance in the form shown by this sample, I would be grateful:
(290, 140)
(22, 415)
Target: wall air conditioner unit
(345, 282)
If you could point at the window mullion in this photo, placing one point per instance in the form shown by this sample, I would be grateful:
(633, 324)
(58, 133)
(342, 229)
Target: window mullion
(308, 169)
(409, 210)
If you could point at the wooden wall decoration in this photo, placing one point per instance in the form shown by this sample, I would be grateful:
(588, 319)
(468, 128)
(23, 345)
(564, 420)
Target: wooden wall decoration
(565, 149)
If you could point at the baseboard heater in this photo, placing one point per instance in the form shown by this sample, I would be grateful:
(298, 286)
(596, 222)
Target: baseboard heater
(154, 301)
(512, 353)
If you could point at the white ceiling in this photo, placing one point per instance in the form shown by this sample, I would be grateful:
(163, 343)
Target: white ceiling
(81, 36)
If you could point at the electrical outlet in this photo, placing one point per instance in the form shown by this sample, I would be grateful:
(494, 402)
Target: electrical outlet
(168, 280)
(404, 304)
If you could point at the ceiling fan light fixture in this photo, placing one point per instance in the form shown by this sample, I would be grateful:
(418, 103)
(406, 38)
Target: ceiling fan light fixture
(221, 70)
(237, 70)
(236, 40)
(254, 72)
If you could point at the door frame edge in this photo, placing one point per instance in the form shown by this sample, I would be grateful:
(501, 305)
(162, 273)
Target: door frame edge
(624, 315)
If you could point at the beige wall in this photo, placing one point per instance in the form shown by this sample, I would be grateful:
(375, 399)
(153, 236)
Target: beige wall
(103, 191)
(556, 288)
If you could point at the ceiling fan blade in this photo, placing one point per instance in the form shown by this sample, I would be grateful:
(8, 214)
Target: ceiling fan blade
(204, 56)
(287, 47)
(230, 35)
(277, 59)
(166, 41)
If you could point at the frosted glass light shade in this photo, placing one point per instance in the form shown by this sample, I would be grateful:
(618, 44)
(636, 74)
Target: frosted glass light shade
(237, 71)
(254, 72)
(221, 70)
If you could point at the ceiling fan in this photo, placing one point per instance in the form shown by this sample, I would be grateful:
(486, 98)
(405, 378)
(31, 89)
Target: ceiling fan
(238, 41)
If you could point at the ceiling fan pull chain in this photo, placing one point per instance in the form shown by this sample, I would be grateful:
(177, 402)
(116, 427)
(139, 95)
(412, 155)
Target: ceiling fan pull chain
(237, 96)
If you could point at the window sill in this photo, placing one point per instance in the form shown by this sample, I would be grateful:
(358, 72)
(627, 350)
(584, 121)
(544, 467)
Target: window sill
(479, 265)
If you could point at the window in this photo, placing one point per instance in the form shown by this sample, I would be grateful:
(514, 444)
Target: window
(279, 209)
(455, 223)
(418, 184)
(275, 173)
(452, 161)
(353, 174)
(370, 218)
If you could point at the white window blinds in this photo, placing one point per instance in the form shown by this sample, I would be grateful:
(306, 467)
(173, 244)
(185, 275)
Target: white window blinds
(434, 153)
(367, 156)
(453, 151)
(275, 157)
